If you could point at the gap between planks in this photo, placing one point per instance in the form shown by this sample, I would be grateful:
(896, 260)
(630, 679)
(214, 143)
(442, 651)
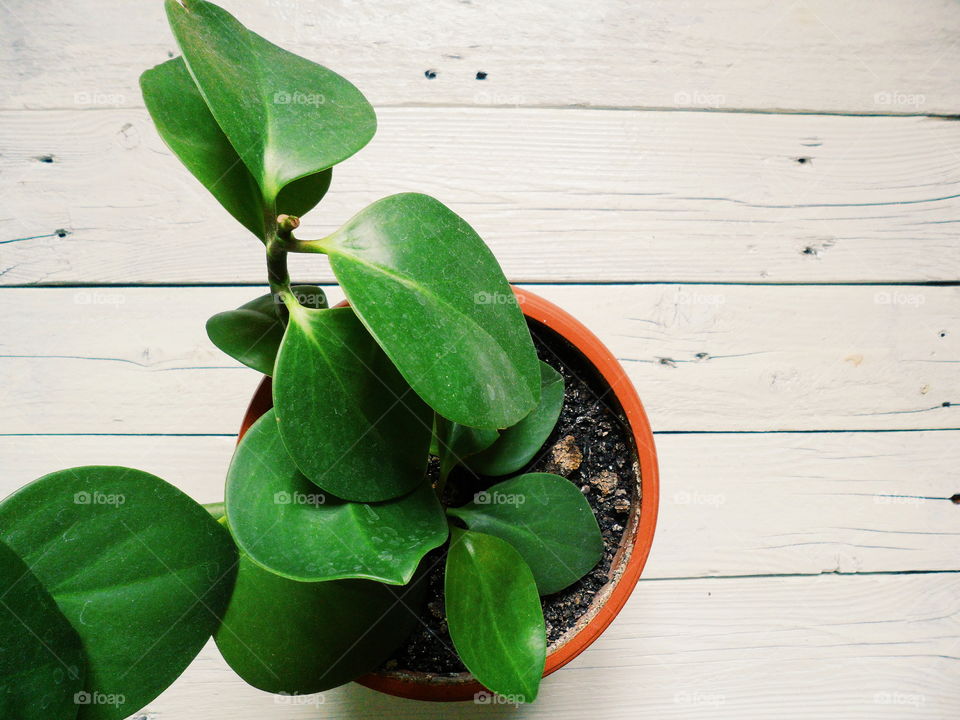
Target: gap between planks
(727, 358)
(751, 505)
(695, 54)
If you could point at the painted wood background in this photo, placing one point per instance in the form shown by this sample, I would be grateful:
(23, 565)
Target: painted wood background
(754, 204)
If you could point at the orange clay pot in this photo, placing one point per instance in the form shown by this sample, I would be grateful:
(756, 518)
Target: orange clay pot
(634, 547)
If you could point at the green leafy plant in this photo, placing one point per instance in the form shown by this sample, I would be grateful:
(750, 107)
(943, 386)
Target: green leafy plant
(310, 573)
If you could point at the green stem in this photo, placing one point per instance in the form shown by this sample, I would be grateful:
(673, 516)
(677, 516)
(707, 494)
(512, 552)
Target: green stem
(278, 242)
(218, 509)
(308, 246)
(312, 246)
(277, 274)
(439, 486)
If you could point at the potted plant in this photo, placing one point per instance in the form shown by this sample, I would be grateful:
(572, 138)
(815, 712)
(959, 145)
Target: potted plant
(444, 486)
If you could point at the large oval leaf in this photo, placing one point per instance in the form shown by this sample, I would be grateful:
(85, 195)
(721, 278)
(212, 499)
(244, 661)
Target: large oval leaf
(494, 614)
(252, 333)
(186, 125)
(41, 660)
(292, 637)
(347, 417)
(284, 523)
(189, 130)
(139, 569)
(518, 445)
(547, 519)
(434, 297)
(287, 116)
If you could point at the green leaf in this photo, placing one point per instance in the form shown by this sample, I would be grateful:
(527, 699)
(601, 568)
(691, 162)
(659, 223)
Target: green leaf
(252, 333)
(494, 614)
(519, 444)
(292, 637)
(189, 129)
(41, 659)
(139, 569)
(434, 297)
(456, 442)
(279, 518)
(547, 519)
(287, 116)
(301, 196)
(347, 417)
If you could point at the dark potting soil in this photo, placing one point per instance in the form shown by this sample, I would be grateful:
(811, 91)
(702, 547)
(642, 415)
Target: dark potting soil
(593, 448)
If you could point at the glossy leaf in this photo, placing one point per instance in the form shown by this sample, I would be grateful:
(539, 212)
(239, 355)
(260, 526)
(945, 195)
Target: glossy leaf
(547, 519)
(41, 660)
(454, 442)
(252, 333)
(518, 445)
(138, 568)
(301, 196)
(494, 614)
(292, 637)
(188, 128)
(287, 116)
(347, 417)
(434, 297)
(287, 525)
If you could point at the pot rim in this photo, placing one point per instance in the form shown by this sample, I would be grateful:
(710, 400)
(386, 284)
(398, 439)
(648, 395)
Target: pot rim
(632, 555)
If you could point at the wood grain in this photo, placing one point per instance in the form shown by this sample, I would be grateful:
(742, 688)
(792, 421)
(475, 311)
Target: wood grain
(731, 504)
(860, 56)
(850, 648)
(718, 358)
(688, 178)
(588, 196)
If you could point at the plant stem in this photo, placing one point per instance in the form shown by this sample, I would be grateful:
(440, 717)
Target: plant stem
(217, 509)
(309, 246)
(278, 241)
(277, 274)
(440, 485)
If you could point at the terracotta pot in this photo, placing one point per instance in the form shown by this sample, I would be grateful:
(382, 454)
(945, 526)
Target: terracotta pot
(634, 547)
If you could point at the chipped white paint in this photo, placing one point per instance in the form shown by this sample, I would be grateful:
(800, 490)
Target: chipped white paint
(777, 585)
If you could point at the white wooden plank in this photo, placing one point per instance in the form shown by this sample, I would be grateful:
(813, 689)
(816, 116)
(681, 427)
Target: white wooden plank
(792, 648)
(806, 503)
(856, 56)
(560, 195)
(197, 465)
(136, 360)
(731, 504)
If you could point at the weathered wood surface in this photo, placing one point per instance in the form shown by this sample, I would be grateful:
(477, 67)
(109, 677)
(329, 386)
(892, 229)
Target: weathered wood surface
(733, 504)
(703, 358)
(589, 196)
(739, 159)
(838, 648)
(858, 56)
